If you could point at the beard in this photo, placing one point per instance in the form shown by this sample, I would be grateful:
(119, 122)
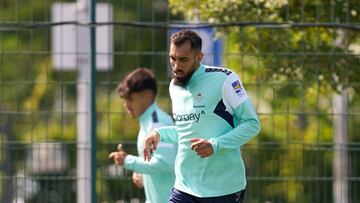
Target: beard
(183, 81)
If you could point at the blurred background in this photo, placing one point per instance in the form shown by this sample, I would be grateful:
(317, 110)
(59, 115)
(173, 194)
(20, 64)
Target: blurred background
(60, 115)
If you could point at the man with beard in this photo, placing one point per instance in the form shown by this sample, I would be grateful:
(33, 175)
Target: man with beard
(138, 89)
(213, 117)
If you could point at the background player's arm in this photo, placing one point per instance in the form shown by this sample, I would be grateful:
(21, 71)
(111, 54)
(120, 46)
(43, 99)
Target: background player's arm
(162, 160)
(137, 179)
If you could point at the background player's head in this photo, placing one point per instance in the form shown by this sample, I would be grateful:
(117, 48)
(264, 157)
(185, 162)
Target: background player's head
(138, 89)
(185, 55)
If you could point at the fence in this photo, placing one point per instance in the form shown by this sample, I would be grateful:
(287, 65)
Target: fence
(300, 67)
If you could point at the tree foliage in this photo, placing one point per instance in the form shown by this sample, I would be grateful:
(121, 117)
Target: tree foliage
(291, 74)
(41, 102)
(309, 55)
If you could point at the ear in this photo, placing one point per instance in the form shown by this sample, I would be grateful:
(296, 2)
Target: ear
(149, 96)
(199, 57)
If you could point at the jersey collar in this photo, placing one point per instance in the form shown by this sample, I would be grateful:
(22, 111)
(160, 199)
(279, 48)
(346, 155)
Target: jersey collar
(197, 74)
(147, 113)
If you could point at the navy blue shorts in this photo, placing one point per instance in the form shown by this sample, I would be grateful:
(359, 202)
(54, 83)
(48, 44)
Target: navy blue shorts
(182, 197)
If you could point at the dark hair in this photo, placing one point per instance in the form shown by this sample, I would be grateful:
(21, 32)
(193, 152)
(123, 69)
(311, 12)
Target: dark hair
(137, 81)
(180, 37)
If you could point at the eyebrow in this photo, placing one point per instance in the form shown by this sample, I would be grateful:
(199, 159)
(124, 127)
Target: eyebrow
(178, 58)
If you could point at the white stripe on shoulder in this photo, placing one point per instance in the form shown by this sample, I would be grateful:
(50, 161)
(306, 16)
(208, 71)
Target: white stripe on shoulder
(234, 92)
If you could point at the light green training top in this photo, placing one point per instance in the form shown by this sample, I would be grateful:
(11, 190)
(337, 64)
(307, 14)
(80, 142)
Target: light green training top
(214, 106)
(158, 174)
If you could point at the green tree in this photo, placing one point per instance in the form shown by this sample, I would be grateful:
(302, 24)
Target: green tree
(292, 74)
(308, 54)
(42, 101)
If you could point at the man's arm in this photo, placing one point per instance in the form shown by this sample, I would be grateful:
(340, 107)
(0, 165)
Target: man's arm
(238, 103)
(166, 134)
(249, 126)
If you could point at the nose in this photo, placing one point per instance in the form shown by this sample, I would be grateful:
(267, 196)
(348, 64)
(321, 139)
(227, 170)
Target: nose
(175, 65)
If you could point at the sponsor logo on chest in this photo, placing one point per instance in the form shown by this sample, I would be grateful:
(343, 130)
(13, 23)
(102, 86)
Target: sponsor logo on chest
(188, 117)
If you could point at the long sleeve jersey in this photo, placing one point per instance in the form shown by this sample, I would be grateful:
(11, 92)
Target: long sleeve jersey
(215, 106)
(158, 174)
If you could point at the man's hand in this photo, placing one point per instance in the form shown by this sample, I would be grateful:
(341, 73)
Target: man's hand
(118, 156)
(137, 179)
(202, 147)
(150, 144)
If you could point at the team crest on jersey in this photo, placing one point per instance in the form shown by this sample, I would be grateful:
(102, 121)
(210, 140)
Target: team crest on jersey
(199, 97)
(237, 87)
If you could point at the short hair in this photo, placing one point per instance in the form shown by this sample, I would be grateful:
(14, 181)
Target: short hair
(137, 81)
(180, 37)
